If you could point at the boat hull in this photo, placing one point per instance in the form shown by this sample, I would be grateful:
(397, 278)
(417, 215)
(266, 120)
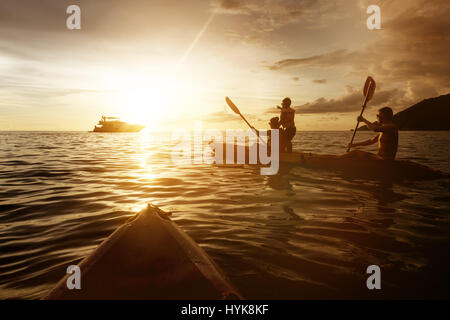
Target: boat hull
(398, 169)
(149, 257)
(127, 128)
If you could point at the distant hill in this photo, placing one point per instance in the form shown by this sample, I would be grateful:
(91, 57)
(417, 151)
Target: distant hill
(429, 114)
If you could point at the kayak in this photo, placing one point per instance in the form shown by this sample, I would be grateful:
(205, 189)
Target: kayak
(149, 257)
(398, 169)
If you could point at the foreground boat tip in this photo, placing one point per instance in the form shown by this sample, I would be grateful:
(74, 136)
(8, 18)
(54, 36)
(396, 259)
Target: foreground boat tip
(149, 257)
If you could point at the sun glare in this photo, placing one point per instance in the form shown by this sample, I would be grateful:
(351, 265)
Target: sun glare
(144, 100)
(147, 100)
(143, 105)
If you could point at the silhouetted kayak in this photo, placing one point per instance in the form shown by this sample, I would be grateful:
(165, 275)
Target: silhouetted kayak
(355, 167)
(372, 168)
(149, 257)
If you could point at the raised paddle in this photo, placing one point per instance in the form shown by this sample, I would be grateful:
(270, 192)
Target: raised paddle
(236, 110)
(368, 91)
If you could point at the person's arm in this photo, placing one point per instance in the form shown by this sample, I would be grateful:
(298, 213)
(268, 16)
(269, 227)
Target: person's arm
(282, 117)
(371, 126)
(364, 143)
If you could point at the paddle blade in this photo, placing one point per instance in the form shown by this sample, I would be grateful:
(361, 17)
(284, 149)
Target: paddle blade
(369, 88)
(232, 105)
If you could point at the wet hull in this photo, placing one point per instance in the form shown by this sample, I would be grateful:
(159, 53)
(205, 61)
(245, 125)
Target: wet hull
(371, 168)
(149, 257)
(355, 167)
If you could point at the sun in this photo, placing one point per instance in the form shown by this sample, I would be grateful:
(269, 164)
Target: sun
(144, 100)
(143, 105)
(147, 99)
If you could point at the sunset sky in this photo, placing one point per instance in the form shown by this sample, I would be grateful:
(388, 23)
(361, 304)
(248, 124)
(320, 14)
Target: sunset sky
(166, 63)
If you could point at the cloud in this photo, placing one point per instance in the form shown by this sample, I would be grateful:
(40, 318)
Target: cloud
(411, 52)
(43, 23)
(41, 59)
(324, 60)
(224, 116)
(328, 118)
(349, 102)
(275, 13)
(232, 5)
(265, 16)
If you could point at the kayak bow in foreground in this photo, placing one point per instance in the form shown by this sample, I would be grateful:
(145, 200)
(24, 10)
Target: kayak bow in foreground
(149, 257)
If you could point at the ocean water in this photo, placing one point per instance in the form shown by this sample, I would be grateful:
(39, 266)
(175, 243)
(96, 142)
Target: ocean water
(300, 234)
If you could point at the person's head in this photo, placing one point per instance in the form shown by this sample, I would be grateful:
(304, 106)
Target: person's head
(274, 123)
(286, 103)
(385, 115)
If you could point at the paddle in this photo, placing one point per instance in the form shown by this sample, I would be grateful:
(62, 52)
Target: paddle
(368, 91)
(236, 110)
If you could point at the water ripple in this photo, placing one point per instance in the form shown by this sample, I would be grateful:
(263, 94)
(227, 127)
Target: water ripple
(298, 234)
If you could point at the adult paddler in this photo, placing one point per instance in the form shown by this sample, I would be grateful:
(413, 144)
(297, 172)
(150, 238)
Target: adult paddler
(387, 137)
(288, 125)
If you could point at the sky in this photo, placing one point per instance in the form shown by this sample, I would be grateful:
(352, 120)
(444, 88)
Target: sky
(167, 63)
